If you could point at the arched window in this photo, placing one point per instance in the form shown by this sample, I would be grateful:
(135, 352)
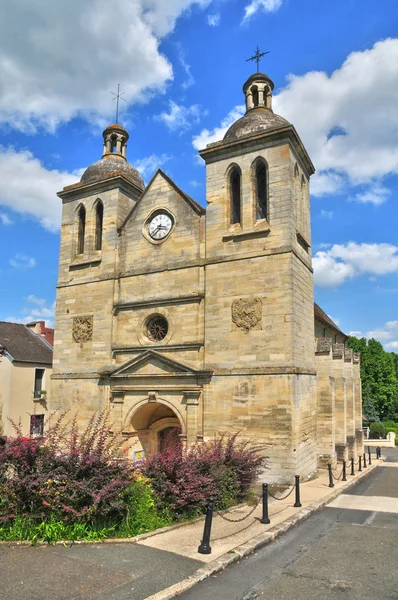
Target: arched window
(254, 91)
(234, 184)
(99, 218)
(261, 177)
(265, 96)
(81, 229)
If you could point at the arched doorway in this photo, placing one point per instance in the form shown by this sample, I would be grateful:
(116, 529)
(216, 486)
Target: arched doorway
(157, 427)
(168, 438)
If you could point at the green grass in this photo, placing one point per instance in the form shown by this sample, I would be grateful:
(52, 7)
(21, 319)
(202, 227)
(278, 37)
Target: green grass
(51, 531)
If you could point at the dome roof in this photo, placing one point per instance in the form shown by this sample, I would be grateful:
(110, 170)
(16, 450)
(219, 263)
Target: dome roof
(256, 78)
(109, 166)
(115, 127)
(257, 120)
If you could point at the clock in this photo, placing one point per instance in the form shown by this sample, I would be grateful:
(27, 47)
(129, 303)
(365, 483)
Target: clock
(160, 226)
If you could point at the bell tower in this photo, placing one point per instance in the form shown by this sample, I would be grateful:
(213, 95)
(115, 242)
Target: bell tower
(259, 307)
(93, 210)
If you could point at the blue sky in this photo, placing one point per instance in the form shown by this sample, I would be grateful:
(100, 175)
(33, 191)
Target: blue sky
(181, 65)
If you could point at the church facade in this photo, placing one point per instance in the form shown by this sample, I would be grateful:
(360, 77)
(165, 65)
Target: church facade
(191, 321)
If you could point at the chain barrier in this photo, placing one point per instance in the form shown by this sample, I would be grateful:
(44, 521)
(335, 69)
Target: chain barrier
(242, 518)
(223, 537)
(205, 547)
(282, 497)
(339, 477)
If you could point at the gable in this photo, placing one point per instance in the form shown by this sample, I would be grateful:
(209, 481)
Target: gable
(154, 364)
(184, 243)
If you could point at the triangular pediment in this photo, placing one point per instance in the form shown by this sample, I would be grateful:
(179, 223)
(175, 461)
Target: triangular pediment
(184, 197)
(152, 363)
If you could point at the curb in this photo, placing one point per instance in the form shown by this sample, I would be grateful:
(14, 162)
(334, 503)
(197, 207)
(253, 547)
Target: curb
(236, 554)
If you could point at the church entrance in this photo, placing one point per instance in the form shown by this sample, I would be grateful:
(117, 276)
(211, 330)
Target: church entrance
(156, 426)
(168, 438)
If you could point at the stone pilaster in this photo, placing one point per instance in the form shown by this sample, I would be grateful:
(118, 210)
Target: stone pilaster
(358, 402)
(350, 401)
(191, 399)
(340, 400)
(325, 414)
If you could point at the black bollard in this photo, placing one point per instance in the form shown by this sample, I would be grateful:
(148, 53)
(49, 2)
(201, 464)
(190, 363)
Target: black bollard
(331, 484)
(364, 460)
(297, 504)
(360, 463)
(265, 519)
(352, 466)
(378, 451)
(204, 547)
(370, 455)
(344, 471)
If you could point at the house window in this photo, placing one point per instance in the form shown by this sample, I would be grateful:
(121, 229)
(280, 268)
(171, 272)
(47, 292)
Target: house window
(36, 424)
(99, 217)
(261, 190)
(39, 374)
(81, 230)
(234, 182)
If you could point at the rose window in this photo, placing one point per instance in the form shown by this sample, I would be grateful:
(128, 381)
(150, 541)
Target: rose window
(157, 329)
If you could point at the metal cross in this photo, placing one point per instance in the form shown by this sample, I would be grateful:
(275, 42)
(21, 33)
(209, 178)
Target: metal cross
(257, 57)
(118, 97)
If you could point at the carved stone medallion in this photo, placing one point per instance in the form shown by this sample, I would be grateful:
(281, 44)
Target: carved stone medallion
(247, 314)
(82, 329)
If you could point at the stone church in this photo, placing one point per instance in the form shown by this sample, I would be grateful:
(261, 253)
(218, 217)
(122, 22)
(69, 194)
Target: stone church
(193, 321)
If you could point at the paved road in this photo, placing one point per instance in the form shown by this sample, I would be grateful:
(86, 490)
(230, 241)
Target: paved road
(337, 554)
(83, 572)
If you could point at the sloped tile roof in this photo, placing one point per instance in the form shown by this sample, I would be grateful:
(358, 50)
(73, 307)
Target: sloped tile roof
(322, 316)
(23, 345)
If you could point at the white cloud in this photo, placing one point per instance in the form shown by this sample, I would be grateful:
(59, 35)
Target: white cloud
(60, 59)
(149, 165)
(357, 334)
(42, 313)
(327, 214)
(29, 188)
(214, 20)
(352, 132)
(195, 183)
(208, 137)
(22, 261)
(266, 5)
(393, 345)
(181, 118)
(385, 333)
(5, 219)
(376, 194)
(341, 262)
(186, 67)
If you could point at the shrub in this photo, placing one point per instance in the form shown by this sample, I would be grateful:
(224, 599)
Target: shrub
(65, 476)
(377, 431)
(184, 479)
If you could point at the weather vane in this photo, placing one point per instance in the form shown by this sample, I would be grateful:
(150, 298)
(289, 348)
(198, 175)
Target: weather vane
(118, 97)
(257, 57)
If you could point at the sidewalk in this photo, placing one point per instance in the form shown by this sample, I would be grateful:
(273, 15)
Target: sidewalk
(231, 542)
(157, 565)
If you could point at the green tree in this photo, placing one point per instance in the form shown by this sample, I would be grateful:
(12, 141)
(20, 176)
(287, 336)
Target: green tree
(368, 406)
(379, 373)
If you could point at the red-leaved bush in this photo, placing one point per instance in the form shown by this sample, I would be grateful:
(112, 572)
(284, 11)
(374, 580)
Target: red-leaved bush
(70, 476)
(184, 478)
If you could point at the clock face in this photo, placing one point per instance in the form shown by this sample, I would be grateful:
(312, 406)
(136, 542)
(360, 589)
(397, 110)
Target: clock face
(160, 226)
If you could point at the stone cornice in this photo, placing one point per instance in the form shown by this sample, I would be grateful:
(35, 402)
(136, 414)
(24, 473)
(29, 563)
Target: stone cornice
(165, 348)
(195, 264)
(278, 136)
(158, 302)
(82, 190)
(285, 370)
